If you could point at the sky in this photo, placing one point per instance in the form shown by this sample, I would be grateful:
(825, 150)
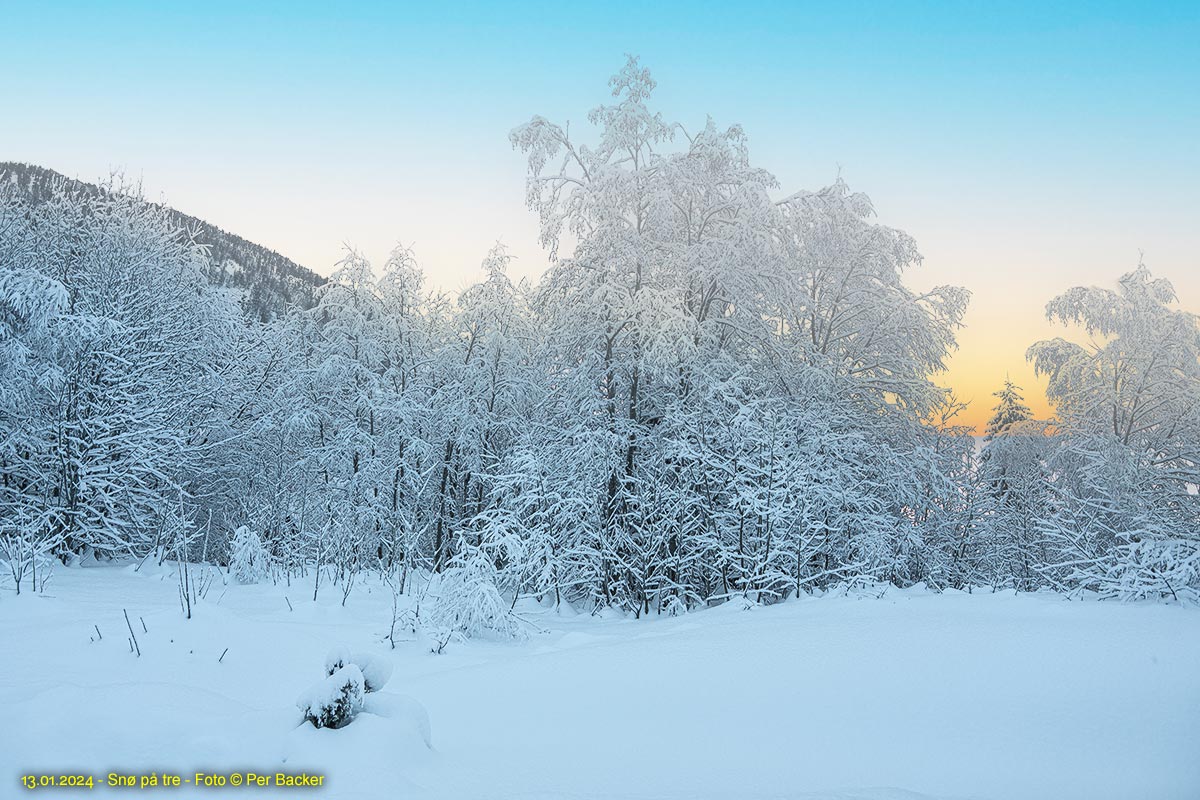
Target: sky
(1027, 147)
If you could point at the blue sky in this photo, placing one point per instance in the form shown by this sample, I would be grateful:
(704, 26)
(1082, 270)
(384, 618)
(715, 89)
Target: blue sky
(1027, 147)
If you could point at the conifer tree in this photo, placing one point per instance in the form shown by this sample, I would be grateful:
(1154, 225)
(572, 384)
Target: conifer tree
(1009, 411)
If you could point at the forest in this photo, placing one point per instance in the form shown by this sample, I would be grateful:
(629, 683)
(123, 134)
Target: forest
(720, 388)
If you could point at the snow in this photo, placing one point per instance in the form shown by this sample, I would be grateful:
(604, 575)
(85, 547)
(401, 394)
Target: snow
(902, 696)
(337, 658)
(376, 670)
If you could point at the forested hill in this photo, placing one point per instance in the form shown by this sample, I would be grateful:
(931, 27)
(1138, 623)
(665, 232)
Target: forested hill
(270, 280)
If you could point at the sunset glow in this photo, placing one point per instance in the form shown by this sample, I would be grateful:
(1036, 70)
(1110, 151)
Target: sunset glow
(1026, 149)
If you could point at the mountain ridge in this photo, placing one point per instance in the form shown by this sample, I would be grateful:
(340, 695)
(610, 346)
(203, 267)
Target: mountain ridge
(271, 281)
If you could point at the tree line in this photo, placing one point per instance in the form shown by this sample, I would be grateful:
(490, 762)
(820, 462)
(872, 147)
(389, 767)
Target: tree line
(715, 389)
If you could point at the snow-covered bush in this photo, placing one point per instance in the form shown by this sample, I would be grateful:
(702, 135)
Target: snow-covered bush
(467, 600)
(1154, 568)
(24, 552)
(333, 701)
(376, 670)
(249, 561)
(674, 606)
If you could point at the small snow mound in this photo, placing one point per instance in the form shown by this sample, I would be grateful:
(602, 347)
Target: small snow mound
(376, 670)
(741, 602)
(575, 639)
(609, 613)
(333, 701)
(531, 605)
(406, 712)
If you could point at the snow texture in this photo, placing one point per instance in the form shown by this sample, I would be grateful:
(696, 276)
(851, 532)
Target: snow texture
(376, 670)
(868, 694)
(337, 658)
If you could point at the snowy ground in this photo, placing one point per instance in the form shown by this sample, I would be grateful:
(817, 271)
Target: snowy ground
(905, 696)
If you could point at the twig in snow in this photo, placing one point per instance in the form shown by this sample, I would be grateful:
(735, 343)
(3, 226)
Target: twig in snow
(222, 658)
(528, 622)
(441, 644)
(131, 634)
(97, 627)
(289, 602)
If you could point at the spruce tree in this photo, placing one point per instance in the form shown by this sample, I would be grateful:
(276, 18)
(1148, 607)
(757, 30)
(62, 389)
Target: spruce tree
(1010, 410)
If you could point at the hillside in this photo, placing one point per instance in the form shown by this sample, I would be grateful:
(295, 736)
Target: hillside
(271, 281)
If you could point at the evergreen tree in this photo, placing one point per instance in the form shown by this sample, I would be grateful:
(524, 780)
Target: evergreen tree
(1009, 411)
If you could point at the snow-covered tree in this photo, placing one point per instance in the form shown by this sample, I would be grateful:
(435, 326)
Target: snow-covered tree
(1125, 515)
(468, 601)
(695, 322)
(249, 561)
(1010, 411)
(717, 389)
(109, 355)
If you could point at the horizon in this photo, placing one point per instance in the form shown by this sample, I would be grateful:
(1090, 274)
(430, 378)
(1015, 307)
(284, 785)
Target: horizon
(1026, 151)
